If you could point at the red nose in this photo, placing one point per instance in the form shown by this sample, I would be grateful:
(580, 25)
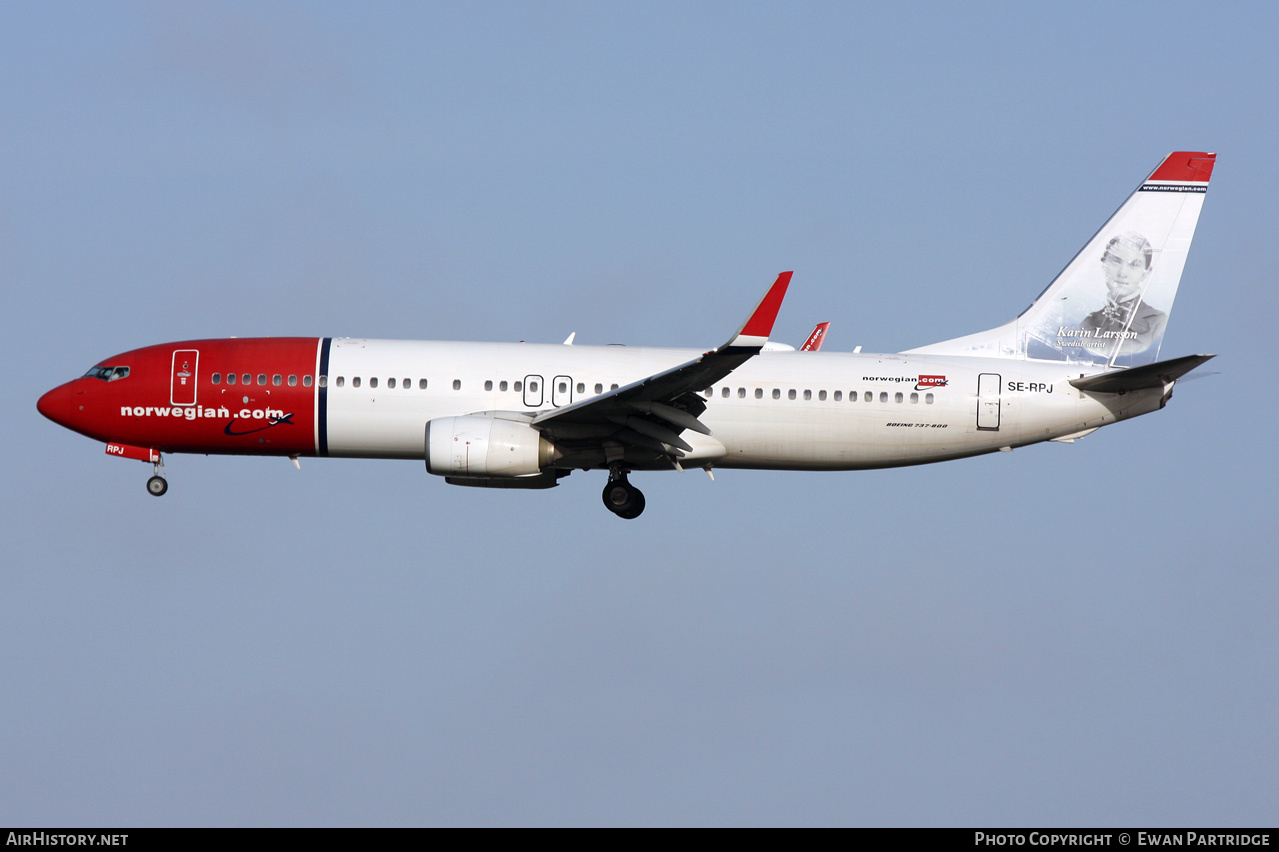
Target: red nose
(56, 405)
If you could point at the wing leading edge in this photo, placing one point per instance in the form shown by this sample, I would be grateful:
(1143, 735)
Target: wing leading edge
(649, 415)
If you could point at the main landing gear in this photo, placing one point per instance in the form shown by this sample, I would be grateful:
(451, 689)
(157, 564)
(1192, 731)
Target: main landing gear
(621, 498)
(157, 485)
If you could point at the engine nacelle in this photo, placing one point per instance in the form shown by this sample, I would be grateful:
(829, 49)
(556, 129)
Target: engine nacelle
(476, 445)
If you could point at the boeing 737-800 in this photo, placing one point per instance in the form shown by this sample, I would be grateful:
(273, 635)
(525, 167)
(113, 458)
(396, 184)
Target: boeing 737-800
(1085, 354)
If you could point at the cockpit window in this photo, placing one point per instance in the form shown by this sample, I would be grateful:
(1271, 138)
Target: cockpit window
(107, 374)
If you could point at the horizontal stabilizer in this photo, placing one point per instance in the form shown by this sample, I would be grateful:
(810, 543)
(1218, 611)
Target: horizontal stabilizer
(1156, 375)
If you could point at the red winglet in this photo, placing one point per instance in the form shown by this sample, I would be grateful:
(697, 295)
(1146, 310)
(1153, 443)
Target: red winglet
(761, 322)
(1194, 166)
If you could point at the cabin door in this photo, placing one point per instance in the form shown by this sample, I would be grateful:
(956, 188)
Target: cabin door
(532, 391)
(183, 376)
(988, 402)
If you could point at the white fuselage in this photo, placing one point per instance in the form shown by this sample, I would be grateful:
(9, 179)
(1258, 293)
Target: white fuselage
(780, 410)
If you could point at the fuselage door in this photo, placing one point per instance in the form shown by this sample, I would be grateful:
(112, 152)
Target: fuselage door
(988, 402)
(561, 391)
(532, 391)
(183, 376)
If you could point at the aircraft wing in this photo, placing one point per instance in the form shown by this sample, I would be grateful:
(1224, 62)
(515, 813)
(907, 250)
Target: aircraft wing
(650, 414)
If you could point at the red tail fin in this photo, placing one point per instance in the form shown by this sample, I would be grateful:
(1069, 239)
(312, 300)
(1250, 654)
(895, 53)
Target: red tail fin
(815, 340)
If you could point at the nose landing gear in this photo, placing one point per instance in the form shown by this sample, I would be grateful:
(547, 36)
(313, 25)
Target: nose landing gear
(157, 484)
(621, 498)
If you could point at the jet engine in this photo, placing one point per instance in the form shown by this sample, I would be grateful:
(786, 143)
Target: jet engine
(477, 445)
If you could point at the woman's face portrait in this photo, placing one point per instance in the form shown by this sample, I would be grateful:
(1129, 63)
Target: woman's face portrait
(1125, 267)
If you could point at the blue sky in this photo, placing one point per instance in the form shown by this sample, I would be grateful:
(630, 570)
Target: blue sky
(1065, 635)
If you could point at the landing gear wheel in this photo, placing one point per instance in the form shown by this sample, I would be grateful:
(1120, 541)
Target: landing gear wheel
(623, 499)
(157, 485)
(636, 508)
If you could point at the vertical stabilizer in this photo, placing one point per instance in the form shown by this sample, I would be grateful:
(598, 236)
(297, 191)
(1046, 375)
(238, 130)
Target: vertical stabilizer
(1110, 304)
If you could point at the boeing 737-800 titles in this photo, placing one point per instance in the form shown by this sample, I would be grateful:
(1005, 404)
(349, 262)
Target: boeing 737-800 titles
(1085, 354)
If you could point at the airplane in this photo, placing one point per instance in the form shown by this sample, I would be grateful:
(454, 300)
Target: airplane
(1083, 355)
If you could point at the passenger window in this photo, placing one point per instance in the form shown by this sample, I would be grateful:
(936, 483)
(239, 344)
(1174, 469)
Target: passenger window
(406, 384)
(581, 387)
(230, 378)
(277, 380)
(914, 398)
(306, 381)
(355, 382)
(808, 394)
(563, 387)
(839, 395)
(599, 388)
(246, 379)
(710, 392)
(532, 387)
(502, 386)
(868, 397)
(741, 393)
(790, 394)
(217, 378)
(341, 381)
(759, 393)
(777, 393)
(897, 397)
(457, 384)
(373, 382)
(613, 386)
(883, 397)
(390, 384)
(488, 384)
(324, 381)
(928, 398)
(293, 381)
(821, 395)
(421, 384)
(262, 379)
(517, 387)
(724, 392)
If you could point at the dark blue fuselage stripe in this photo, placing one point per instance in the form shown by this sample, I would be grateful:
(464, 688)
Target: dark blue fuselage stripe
(322, 381)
